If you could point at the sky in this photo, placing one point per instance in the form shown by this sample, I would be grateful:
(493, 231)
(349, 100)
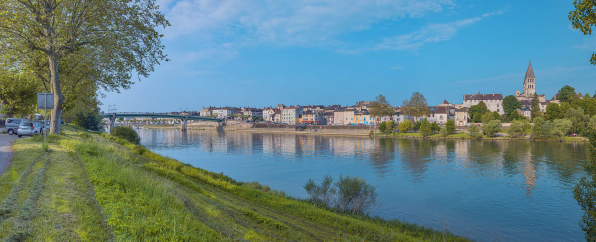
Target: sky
(251, 53)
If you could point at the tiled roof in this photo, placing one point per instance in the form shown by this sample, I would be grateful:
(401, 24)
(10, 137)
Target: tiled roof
(441, 110)
(526, 109)
(483, 97)
(526, 102)
(445, 102)
(530, 71)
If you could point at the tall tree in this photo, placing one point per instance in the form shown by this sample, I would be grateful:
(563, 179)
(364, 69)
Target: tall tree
(536, 112)
(118, 36)
(585, 192)
(416, 106)
(566, 94)
(578, 119)
(553, 111)
(479, 108)
(510, 104)
(582, 18)
(380, 107)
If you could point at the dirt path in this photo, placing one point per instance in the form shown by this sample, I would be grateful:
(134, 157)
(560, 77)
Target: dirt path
(5, 150)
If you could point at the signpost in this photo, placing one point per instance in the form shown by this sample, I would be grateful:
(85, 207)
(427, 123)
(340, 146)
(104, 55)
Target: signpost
(45, 100)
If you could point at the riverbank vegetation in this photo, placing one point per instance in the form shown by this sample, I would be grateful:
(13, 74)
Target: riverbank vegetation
(101, 188)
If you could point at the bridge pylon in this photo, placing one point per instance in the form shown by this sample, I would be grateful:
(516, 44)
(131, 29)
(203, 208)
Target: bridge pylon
(183, 123)
(112, 121)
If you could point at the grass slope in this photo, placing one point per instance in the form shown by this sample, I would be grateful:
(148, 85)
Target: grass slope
(100, 188)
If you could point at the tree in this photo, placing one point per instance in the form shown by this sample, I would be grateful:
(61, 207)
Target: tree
(18, 93)
(478, 108)
(425, 128)
(496, 115)
(382, 127)
(405, 125)
(351, 194)
(585, 192)
(538, 128)
(434, 127)
(492, 128)
(474, 131)
(516, 116)
(566, 94)
(119, 37)
(487, 117)
(477, 118)
(380, 107)
(416, 126)
(536, 112)
(564, 107)
(516, 129)
(510, 104)
(553, 111)
(587, 104)
(583, 18)
(450, 126)
(416, 106)
(527, 126)
(389, 125)
(578, 119)
(444, 132)
(560, 128)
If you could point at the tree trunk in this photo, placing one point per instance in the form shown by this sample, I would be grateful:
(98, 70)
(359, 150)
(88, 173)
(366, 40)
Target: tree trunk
(58, 97)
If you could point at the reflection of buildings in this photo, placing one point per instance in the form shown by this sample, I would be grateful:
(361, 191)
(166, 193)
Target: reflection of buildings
(529, 173)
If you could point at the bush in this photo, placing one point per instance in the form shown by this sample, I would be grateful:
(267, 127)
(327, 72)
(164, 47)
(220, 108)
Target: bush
(450, 126)
(126, 133)
(425, 128)
(347, 194)
(474, 131)
(516, 129)
(416, 126)
(389, 125)
(89, 121)
(382, 127)
(405, 126)
(444, 132)
(492, 128)
(434, 127)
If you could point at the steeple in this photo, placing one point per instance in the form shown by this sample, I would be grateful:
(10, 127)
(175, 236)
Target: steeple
(530, 71)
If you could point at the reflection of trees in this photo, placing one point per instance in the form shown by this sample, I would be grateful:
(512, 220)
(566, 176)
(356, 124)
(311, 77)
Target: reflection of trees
(564, 160)
(483, 154)
(416, 154)
(382, 155)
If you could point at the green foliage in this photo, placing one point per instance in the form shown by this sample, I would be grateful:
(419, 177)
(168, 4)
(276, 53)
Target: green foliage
(380, 108)
(84, 135)
(126, 133)
(477, 118)
(553, 111)
(444, 132)
(585, 192)
(88, 120)
(416, 126)
(526, 125)
(474, 131)
(355, 195)
(405, 125)
(492, 128)
(510, 104)
(18, 93)
(382, 127)
(538, 131)
(583, 18)
(566, 94)
(579, 120)
(560, 128)
(434, 127)
(425, 128)
(323, 193)
(416, 106)
(565, 107)
(479, 108)
(535, 109)
(516, 129)
(516, 116)
(587, 104)
(450, 126)
(487, 117)
(496, 115)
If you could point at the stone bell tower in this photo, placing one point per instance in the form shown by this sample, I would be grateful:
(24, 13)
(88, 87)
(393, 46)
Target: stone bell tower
(529, 82)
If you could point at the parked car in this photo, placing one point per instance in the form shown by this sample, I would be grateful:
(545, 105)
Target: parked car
(12, 125)
(573, 135)
(28, 128)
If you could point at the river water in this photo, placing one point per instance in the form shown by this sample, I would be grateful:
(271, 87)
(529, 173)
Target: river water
(483, 190)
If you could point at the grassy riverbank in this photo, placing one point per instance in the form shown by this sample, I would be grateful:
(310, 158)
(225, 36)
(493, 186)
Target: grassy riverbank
(99, 188)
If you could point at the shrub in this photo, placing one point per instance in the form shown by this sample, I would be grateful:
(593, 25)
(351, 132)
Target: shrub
(474, 131)
(350, 194)
(126, 133)
(492, 128)
(389, 125)
(88, 120)
(434, 127)
(405, 125)
(444, 132)
(382, 127)
(516, 128)
(538, 129)
(84, 135)
(416, 126)
(560, 128)
(450, 126)
(425, 128)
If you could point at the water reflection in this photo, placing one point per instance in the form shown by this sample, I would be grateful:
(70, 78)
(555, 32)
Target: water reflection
(515, 190)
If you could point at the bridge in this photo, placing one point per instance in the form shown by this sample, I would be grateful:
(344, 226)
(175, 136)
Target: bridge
(184, 118)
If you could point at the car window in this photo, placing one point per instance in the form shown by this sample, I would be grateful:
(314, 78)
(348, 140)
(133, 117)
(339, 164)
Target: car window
(25, 123)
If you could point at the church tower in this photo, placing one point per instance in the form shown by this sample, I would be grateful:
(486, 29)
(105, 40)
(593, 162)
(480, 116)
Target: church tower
(529, 84)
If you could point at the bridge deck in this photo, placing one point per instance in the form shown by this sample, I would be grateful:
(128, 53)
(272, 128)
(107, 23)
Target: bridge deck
(159, 115)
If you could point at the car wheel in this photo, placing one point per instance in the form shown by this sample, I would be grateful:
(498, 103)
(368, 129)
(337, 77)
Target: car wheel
(19, 136)
(10, 132)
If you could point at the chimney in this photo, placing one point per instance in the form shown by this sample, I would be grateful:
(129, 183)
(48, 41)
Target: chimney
(493, 93)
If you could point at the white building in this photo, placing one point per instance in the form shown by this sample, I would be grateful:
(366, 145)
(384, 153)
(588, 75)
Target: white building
(225, 112)
(494, 102)
(289, 115)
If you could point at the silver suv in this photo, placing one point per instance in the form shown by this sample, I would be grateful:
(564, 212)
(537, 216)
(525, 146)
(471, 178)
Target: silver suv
(28, 128)
(12, 125)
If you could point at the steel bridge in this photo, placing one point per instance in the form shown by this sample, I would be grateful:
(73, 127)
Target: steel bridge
(184, 118)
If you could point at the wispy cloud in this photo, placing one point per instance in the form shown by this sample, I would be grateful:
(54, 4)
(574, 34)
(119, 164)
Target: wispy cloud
(429, 34)
(286, 22)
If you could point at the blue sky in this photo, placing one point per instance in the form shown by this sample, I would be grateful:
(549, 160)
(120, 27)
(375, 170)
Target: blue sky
(262, 53)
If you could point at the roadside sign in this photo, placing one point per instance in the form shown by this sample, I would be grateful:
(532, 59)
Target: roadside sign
(45, 100)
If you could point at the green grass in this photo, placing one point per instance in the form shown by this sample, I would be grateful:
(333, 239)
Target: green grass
(456, 135)
(100, 188)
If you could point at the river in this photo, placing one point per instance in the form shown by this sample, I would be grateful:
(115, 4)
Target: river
(482, 190)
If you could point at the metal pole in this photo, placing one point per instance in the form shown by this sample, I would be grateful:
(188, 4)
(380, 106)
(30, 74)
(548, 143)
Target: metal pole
(45, 113)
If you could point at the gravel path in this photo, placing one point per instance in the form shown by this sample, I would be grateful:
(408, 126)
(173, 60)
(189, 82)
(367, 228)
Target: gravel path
(5, 150)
